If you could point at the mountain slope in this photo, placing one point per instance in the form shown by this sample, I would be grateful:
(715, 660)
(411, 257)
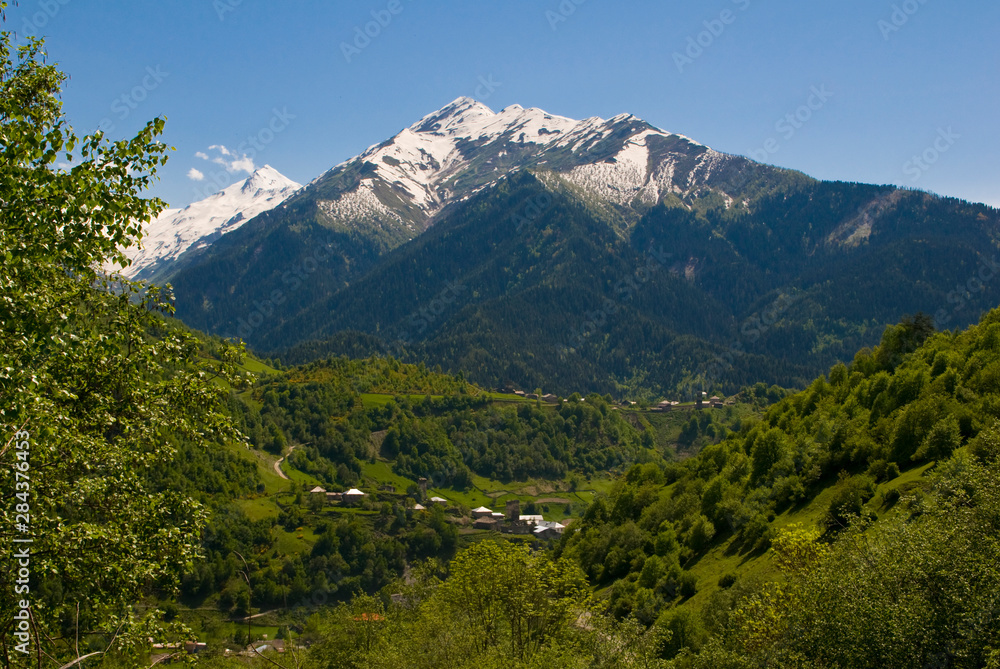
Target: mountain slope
(866, 456)
(395, 190)
(532, 249)
(174, 232)
(682, 300)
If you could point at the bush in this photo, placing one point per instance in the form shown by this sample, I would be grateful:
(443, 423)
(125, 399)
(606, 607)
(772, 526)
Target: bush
(688, 584)
(727, 580)
(756, 534)
(890, 497)
(849, 500)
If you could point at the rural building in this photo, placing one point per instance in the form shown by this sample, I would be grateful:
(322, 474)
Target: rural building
(532, 519)
(353, 496)
(419, 507)
(332, 497)
(513, 509)
(318, 490)
(482, 512)
(549, 397)
(485, 523)
(438, 500)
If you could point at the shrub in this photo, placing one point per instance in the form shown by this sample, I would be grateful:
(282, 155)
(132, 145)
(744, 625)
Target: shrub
(727, 580)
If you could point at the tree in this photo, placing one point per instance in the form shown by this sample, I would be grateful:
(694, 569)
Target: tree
(95, 387)
(945, 436)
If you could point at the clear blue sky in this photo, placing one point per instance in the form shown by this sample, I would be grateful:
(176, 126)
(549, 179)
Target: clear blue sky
(928, 74)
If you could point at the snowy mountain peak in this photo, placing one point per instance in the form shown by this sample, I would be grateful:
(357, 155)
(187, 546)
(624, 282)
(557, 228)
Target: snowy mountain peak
(175, 231)
(465, 145)
(267, 178)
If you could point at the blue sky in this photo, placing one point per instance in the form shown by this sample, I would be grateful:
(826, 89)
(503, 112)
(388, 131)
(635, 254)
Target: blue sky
(897, 80)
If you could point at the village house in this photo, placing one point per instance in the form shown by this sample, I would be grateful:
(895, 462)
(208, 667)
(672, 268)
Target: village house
(485, 523)
(482, 512)
(548, 529)
(353, 496)
(439, 500)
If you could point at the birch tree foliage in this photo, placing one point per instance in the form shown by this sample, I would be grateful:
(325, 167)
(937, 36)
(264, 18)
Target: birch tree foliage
(93, 380)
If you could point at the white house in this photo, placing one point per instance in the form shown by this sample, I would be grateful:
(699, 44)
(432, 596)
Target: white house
(353, 496)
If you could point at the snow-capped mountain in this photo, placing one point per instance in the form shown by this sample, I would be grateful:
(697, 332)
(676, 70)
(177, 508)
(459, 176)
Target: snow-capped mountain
(199, 224)
(346, 221)
(451, 153)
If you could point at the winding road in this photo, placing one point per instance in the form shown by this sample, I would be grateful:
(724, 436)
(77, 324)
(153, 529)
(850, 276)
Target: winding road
(277, 464)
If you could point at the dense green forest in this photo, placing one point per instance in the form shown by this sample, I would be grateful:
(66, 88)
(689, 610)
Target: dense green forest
(693, 296)
(891, 461)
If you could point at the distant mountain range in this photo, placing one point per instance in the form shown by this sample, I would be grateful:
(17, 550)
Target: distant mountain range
(533, 250)
(176, 231)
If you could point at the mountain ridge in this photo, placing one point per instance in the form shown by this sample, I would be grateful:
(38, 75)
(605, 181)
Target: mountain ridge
(543, 220)
(175, 232)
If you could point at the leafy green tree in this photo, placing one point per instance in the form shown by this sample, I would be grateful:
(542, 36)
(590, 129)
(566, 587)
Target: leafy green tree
(945, 436)
(92, 381)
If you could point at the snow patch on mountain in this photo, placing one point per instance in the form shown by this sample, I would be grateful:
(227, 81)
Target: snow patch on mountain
(361, 204)
(623, 178)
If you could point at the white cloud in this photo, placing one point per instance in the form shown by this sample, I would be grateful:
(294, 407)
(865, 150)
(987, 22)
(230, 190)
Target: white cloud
(229, 159)
(201, 154)
(244, 164)
(195, 175)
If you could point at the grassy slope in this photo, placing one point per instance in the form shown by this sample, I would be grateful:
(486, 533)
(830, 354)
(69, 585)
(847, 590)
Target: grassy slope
(721, 559)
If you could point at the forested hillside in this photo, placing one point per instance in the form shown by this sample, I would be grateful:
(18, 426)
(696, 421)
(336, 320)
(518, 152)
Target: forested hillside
(696, 294)
(853, 525)
(888, 553)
